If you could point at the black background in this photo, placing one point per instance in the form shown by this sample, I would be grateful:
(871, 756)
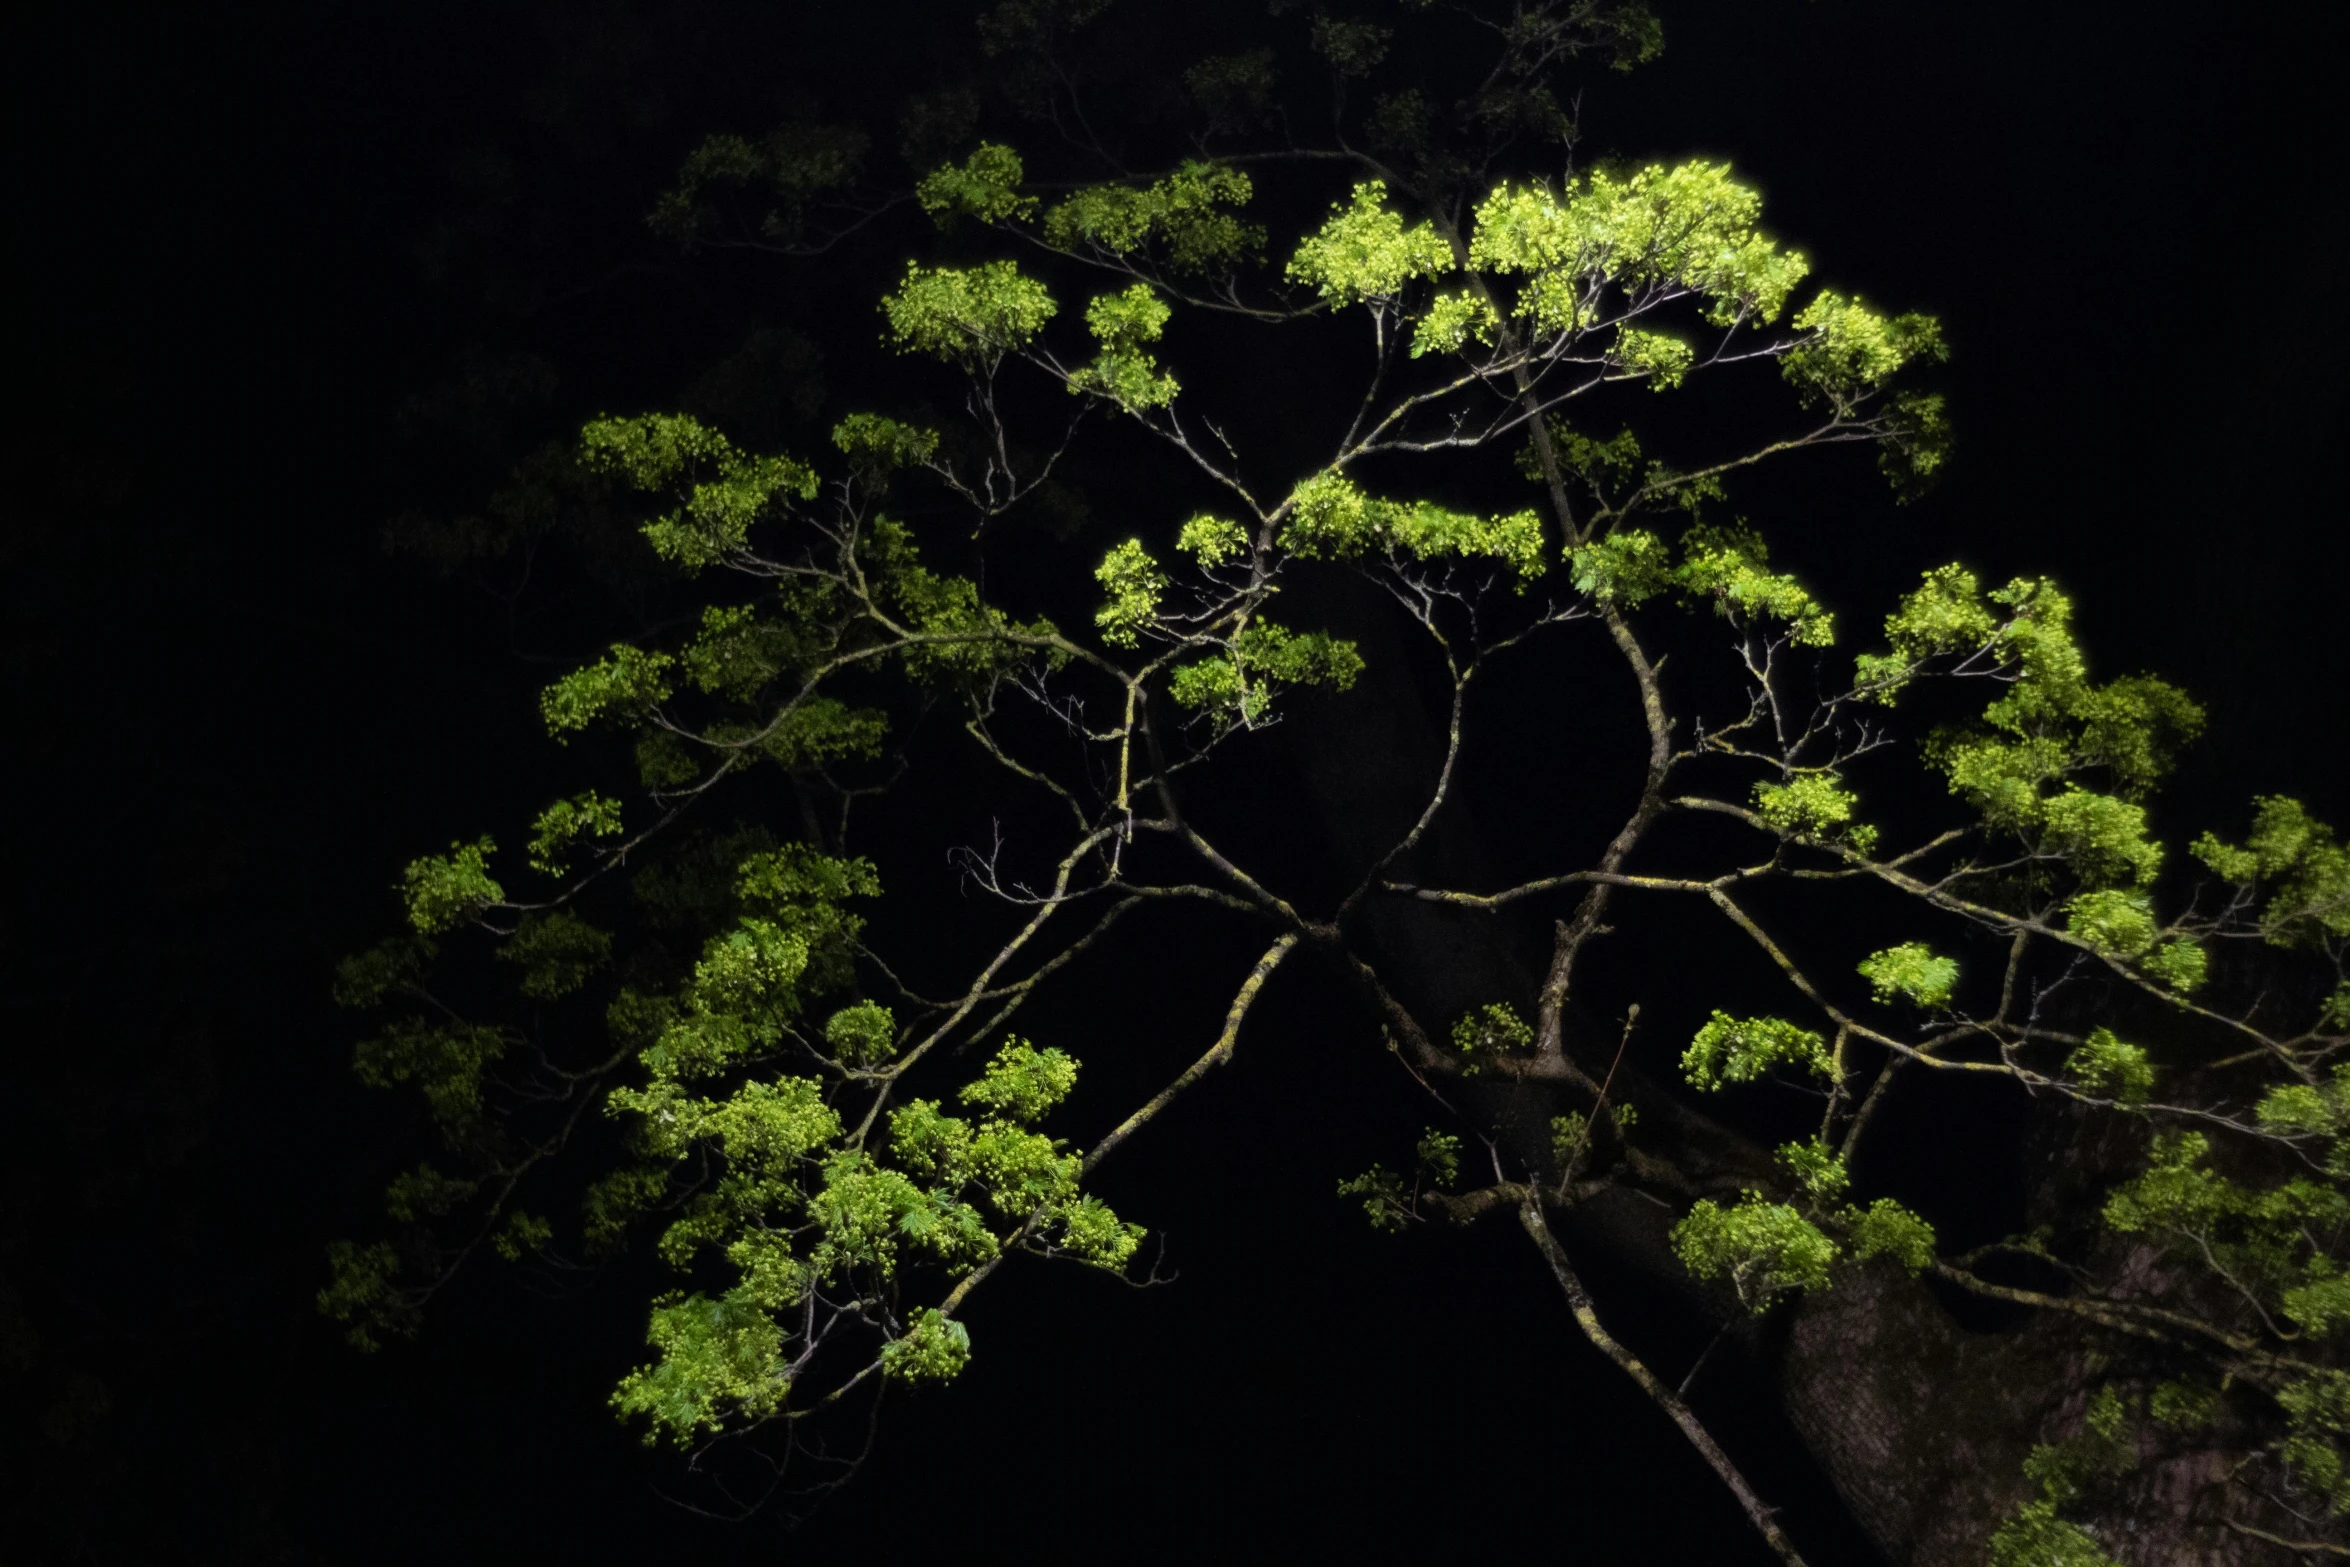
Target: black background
(259, 253)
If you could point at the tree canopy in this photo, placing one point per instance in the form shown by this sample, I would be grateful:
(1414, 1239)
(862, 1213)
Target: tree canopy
(1426, 397)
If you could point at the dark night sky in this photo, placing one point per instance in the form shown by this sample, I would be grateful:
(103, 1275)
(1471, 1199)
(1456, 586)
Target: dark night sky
(251, 244)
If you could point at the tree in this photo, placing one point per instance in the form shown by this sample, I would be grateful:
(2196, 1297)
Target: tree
(832, 1187)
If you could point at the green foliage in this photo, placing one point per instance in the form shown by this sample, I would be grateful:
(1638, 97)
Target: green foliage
(424, 1193)
(565, 823)
(720, 1359)
(2113, 921)
(442, 891)
(1451, 320)
(2317, 1413)
(1263, 658)
(1663, 361)
(863, 1035)
(2036, 1536)
(1135, 584)
(1365, 253)
(792, 169)
(1816, 1169)
(1944, 615)
(1628, 567)
(1763, 1248)
(1330, 518)
(1739, 1050)
(445, 1061)
(556, 952)
(1731, 567)
(1490, 1031)
(2296, 858)
(366, 978)
(626, 684)
(2108, 1065)
(968, 316)
(523, 1234)
(362, 1293)
(2268, 1239)
(1690, 228)
(725, 490)
(1440, 1158)
(1022, 1082)
(1125, 323)
(2179, 964)
(1912, 971)
(875, 445)
(1212, 541)
(1886, 1229)
(1182, 216)
(1813, 805)
(985, 186)
(934, 1348)
(1385, 1201)
(1848, 350)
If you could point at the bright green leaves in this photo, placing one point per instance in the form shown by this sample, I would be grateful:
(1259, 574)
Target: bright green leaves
(1331, 518)
(1364, 252)
(1686, 229)
(1766, 1249)
(1124, 372)
(1183, 217)
(1239, 686)
(863, 1035)
(1452, 319)
(875, 445)
(1135, 584)
(445, 890)
(1813, 805)
(2110, 1066)
(1886, 1229)
(968, 316)
(748, 975)
(2296, 857)
(1944, 615)
(1762, 1248)
(1739, 1050)
(1440, 1157)
(1817, 1170)
(1661, 360)
(1628, 567)
(1386, 1203)
(1489, 1033)
(934, 1348)
(626, 684)
(1022, 1082)
(1848, 350)
(1212, 541)
(985, 186)
(566, 823)
(1732, 567)
(1912, 971)
(2116, 922)
(726, 490)
(720, 1360)
(2103, 838)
